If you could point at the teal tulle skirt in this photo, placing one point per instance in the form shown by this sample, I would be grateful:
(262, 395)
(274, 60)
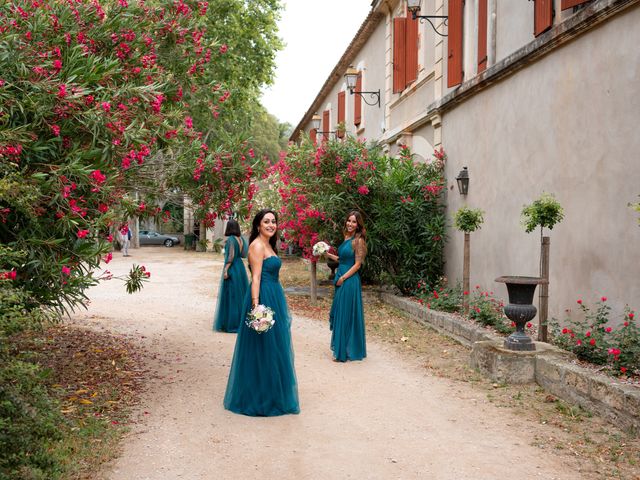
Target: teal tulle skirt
(262, 381)
(346, 318)
(231, 297)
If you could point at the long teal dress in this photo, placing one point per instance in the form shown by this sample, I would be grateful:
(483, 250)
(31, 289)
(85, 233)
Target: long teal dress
(346, 318)
(262, 381)
(232, 290)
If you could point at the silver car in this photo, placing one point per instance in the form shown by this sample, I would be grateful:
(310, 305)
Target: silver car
(148, 237)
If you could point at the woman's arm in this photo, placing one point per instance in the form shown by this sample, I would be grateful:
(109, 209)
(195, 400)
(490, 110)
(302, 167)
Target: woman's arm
(359, 251)
(229, 255)
(256, 257)
(333, 257)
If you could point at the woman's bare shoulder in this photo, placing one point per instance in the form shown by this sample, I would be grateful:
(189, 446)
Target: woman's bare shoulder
(256, 247)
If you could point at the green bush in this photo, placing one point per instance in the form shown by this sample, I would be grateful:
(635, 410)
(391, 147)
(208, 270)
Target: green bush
(544, 212)
(399, 199)
(594, 338)
(468, 219)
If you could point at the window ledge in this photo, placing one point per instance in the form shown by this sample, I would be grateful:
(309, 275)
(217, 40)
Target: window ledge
(407, 92)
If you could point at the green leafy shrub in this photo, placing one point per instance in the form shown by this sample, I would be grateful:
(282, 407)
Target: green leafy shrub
(467, 219)
(399, 199)
(485, 309)
(544, 212)
(443, 298)
(595, 339)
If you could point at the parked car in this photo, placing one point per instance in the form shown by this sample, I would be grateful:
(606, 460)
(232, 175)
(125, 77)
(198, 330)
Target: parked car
(148, 237)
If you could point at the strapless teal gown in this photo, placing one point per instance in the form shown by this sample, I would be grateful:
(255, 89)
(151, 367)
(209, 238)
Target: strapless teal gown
(262, 381)
(346, 318)
(232, 290)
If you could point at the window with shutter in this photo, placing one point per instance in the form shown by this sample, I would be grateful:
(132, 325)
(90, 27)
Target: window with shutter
(482, 35)
(340, 133)
(313, 135)
(326, 127)
(399, 54)
(571, 3)
(357, 102)
(543, 16)
(411, 49)
(454, 55)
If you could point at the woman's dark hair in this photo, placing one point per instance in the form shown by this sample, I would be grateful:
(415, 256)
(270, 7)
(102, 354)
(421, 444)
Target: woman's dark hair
(233, 228)
(256, 223)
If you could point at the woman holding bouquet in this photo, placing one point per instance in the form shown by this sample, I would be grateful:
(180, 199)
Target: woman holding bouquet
(346, 318)
(262, 380)
(234, 282)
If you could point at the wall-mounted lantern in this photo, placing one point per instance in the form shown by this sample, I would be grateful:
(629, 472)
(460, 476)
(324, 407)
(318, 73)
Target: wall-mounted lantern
(414, 7)
(463, 181)
(352, 77)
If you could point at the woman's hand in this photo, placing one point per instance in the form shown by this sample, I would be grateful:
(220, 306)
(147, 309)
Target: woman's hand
(340, 282)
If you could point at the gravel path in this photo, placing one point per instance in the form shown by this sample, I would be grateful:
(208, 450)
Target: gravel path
(383, 418)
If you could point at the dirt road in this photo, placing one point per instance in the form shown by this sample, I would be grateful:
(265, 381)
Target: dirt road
(383, 418)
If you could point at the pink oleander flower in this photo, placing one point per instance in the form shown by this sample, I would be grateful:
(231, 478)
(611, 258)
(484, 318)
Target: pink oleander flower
(66, 271)
(106, 106)
(98, 177)
(108, 257)
(56, 130)
(363, 190)
(223, 48)
(82, 233)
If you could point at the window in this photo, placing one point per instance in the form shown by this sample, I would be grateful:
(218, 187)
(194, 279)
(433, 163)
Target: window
(482, 35)
(357, 102)
(571, 3)
(405, 52)
(326, 125)
(455, 72)
(341, 105)
(543, 16)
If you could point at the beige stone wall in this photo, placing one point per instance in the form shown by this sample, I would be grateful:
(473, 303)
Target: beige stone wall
(566, 124)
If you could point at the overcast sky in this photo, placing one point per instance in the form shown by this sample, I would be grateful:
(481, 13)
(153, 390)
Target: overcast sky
(315, 34)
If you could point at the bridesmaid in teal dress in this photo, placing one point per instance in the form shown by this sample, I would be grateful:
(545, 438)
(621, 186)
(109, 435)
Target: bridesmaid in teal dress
(234, 282)
(346, 319)
(262, 381)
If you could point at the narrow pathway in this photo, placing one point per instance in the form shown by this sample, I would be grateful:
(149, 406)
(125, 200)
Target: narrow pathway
(383, 418)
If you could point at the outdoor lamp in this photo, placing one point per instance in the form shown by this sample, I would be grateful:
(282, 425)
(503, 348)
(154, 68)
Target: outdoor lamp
(352, 77)
(414, 7)
(315, 121)
(463, 181)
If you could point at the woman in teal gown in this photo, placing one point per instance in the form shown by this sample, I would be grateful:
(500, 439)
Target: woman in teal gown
(234, 282)
(346, 319)
(262, 380)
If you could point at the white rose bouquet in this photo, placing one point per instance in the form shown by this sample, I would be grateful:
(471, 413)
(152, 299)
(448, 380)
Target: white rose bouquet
(320, 248)
(260, 319)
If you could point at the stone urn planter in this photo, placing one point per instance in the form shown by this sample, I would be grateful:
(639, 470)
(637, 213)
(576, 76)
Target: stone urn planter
(332, 264)
(520, 309)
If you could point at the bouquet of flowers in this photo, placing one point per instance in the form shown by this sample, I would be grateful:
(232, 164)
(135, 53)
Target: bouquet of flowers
(320, 248)
(260, 318)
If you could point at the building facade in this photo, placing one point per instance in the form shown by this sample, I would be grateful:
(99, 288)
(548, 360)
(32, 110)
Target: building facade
(532, 96)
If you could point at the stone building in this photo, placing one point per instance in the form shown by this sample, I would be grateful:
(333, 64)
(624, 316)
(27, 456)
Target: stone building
(532, 96)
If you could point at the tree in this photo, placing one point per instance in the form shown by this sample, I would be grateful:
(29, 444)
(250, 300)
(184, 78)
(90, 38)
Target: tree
(95, 105)
(544, 212)
(467, 220)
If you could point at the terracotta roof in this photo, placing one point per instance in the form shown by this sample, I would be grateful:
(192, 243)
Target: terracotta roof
(365, 30)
